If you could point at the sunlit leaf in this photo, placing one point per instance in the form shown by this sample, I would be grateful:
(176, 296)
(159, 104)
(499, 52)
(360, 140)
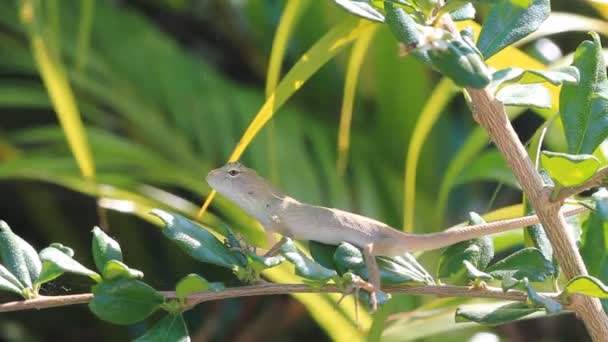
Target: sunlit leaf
(171, 328)
(493, 315)
(525, 95)
(569, 169)
(587, 285)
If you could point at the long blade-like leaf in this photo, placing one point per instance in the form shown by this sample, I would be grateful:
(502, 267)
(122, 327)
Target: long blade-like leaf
(60, 92)
(319, 54)
(360, 48)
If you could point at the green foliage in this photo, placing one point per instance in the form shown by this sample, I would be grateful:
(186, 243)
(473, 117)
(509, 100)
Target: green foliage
(526, 263)
(569, 169)
(508, 22)
(584, 107)
(124, 301)
(195, 240)
(466, 260)
(56, 260)
(169, 329)
(18, 256)
(193, 283)
(104, 249)
(306, 267)
(586, 285)
(525, 95)
(492, 315)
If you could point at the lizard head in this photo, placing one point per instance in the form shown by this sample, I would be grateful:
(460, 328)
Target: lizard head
(242, 186)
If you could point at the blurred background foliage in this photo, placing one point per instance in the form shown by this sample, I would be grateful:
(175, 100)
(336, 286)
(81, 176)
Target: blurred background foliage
(165, 89)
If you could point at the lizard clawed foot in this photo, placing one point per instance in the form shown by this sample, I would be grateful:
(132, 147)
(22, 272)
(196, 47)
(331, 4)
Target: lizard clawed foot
(357, 284)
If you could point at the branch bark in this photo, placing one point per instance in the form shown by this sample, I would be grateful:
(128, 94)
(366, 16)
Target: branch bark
(490, 114)
(598, 179)
(44, 302)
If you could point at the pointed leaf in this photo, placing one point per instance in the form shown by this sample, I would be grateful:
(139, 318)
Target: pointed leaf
(584, 107)
(104, 249)
(56, 262)
(459, 61)
(9, 282)
(595, 236)
(323, 254)
(507, 23)
(171, 328)
(525, 95)
(466, 258)
(557, 76)
(116, 269)
(550, 305)
(588, 286)
(305, 266)
(124, 301)
(473, 272)
(568, 169)
(193, 283)
(526, 263)
(491, 315)
(398, 270)
(361, 9)
(18, 256)
(465, 12)
(195, 240)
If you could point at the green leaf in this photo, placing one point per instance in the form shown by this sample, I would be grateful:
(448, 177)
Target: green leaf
(526, 263)
(488, 315)
(460, 61)
(584, 107)
(595, 236)
(507, 23)
(57, 260)
(124, 301)
(18, 256)
(323, 254)
(567, 169)
(466, 258)
(550, 305)
(474, 273)
(193, 283)
(394, 270)
(588, 286)
(104, 249)
(169, 329)
(465, 12)
(305, 266)
(557, 76)
(9, 282)
(361, 9)
(116, 269)
(525, 95)
(403, 26)
(195, 240)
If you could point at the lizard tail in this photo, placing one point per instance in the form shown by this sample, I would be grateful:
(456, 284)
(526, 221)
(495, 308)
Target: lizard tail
(425, 242)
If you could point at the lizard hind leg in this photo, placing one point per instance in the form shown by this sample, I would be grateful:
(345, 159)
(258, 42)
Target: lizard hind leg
(274, 250)
(374, 274)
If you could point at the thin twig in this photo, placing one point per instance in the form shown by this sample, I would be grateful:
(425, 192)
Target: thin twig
(598, 179)
(266, 289)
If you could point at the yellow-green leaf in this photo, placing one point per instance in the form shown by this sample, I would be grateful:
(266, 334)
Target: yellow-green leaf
(587, 285)
(569, 169)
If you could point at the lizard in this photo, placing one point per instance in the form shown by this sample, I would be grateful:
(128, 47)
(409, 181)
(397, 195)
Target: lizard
(280, 213)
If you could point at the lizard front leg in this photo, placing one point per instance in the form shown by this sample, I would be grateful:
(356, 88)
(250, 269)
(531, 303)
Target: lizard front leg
(374, 274)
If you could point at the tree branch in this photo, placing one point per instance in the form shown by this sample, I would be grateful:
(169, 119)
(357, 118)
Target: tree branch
(490, 114)
(266, 289)
(598, 179)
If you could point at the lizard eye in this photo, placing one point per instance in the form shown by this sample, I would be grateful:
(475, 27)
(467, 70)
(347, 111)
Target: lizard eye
(233, 173)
